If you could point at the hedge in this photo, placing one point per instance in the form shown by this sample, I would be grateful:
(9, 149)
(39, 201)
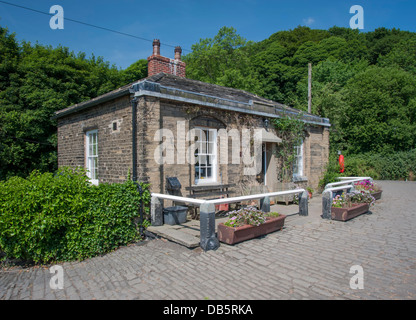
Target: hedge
(379, 166)
(391, 166)
(62, 217)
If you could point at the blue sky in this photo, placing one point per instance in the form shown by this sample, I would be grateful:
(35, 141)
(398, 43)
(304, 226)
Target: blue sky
(185, 22)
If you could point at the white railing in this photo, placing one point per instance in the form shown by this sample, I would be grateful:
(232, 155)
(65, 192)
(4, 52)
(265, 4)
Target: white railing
(347, 180)
(361, 178)
(208, 239)
(177, 198)
(226, 200)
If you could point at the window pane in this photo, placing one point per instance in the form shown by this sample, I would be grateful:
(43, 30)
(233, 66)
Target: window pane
(211, 148)
(211, 135)
(95, 150)
(92, 155)
(203, 173)
(95, 168)
(205, 165)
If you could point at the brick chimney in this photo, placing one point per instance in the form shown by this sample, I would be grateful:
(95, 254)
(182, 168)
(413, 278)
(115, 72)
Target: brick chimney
(157, 63)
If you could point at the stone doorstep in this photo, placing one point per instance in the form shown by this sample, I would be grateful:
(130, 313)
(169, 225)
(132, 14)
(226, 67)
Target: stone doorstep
(175, 235)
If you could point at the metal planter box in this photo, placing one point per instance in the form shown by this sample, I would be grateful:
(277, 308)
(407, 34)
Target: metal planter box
(175, 215)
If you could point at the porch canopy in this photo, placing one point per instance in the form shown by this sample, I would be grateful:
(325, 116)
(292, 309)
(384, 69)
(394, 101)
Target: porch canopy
(266, 136)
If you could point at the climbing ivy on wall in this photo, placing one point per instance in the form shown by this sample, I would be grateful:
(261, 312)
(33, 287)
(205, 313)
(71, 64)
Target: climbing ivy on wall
(292, 131)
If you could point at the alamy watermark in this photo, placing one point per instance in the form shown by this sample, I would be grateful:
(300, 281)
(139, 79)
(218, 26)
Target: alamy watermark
(357, 20)
(57, 21)
(357, 280)
(57, 280)
(206, 146)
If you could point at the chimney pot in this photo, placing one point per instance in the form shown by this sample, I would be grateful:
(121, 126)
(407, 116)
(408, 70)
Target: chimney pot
(156, 47)
(178, 53)
(157, 63)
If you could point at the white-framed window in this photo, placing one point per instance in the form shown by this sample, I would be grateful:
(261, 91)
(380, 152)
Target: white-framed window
(298, 163)
(91, 147)
(205, 155)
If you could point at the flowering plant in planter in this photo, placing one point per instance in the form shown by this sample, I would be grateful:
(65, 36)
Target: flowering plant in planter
(360, 197)
(248, 215)
(339, 201)
(346, 200)
(350, 205)
(367, 185)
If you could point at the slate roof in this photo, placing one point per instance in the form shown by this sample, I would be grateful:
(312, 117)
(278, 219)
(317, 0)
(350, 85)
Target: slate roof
(202, 89)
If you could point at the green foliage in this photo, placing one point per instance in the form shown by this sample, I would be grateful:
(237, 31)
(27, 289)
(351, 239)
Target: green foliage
(245, 216)
(380, 111)
(384, 166)
(380, 166)
(332, 171)
(346, 200)
(223, 60)
(292, 131)
(136, 71)
(36, 81)
(363, 82)
(273, 214)
(63, 217)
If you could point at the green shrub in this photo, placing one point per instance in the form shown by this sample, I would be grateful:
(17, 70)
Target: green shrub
(361, 166)
(379, 166)
(383, 166)
(63, 217)
(332, 172)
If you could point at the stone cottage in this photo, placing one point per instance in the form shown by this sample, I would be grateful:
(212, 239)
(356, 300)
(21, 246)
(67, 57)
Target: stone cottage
(203, 134)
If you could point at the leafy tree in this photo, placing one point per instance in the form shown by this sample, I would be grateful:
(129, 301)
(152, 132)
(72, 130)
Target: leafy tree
(363, 82)
(223, 60)
(380, 111)
(135, 72)
(403, 56)
(36, 81)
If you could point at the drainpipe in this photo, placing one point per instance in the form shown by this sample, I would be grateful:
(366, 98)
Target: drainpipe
(134, 160)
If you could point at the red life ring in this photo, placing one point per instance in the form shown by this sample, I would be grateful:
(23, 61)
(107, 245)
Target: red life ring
(341, 163)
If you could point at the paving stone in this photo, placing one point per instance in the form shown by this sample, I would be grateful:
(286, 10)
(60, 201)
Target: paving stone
(310, 259)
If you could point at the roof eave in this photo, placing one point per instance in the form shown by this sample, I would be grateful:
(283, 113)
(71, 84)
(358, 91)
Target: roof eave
(84, 105)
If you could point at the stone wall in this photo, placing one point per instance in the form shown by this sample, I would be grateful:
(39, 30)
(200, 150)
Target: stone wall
(178, 119)
(114, 141)
(316, 154)
(153, 114)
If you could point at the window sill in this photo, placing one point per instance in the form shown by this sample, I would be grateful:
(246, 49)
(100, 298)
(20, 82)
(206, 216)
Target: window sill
(207, 184)
(300, 179)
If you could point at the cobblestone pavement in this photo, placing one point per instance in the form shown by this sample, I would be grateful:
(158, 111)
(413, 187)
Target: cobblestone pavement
(309, 259)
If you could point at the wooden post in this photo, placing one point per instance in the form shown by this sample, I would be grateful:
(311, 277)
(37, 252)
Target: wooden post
(310, 88)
